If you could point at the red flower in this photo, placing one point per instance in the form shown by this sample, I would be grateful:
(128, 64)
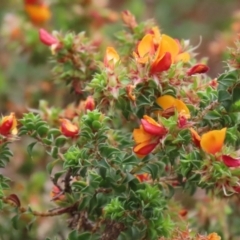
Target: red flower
(68, 129)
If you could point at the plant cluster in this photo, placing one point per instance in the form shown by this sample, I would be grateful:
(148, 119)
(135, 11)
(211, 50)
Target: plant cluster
(151, 122)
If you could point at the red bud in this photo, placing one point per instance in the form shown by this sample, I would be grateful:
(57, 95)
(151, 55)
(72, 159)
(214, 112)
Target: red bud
(157, 130)
(230, 162)
(68, 129)
(89, 103)
(197, 69)
(46, 38)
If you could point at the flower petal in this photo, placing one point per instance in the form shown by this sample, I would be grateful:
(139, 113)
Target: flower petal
(167, 101)
(162, 64)
(212, 142)
(182, 108)
(230, 162)
(139, 135)
(144, 148)
(47, 38)
(168, 44)
(111, 57)
(146, 46)
(184, 57)
(153, 129)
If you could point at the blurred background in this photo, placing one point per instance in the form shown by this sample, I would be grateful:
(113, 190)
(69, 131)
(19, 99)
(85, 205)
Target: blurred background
(26, 79)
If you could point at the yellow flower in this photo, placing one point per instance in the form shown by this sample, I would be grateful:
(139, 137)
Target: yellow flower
(111, 57)
(160, 50)
(212, 141)
(168, 102)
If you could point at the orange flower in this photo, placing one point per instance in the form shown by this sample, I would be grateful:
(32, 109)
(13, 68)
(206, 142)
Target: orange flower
(68, 129)
(111, 57)
(168, 102)
(212, 141)
(148, 135)
(160, 50)
(214, 236)
(38, 13)
(8, 125)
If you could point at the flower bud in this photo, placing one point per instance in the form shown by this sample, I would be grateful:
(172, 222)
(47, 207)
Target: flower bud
(129, 19)
(230, 161)
(152, 127)
(182, 121)
(213, 83)
(57, 193)
(8, 125)
(111, 57)
(195, 137)
(89, 103)
(68, 129)
(46, 38)
(197, 69)
(143, 177)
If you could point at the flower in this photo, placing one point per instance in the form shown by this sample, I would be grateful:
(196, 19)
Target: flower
(197, 69)
(39, 13)
(47, 38)
(212, 141)
(160, 50)
(68, 129)
(169, 104)
(8, 125)
(89, 103)
(148, 135)
(129, 19)
(111, 57)
(214, 236)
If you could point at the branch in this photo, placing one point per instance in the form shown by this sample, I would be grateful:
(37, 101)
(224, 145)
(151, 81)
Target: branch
(56, 212)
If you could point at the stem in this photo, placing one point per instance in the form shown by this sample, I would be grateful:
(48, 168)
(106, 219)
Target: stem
(56, 212)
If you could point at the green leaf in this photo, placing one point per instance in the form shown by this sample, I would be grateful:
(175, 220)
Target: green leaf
(60, 141)
(51, 165)
(15, 220)
(42, 130)
(225, 99)
(30, 148)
